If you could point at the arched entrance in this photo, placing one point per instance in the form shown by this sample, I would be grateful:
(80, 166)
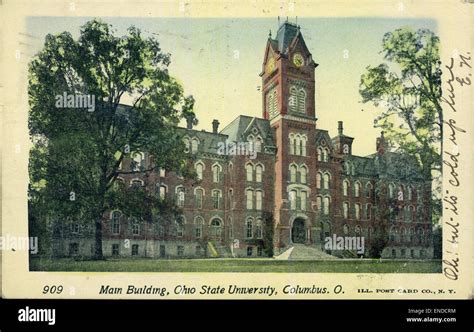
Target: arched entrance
(298, 231)
(216, 229)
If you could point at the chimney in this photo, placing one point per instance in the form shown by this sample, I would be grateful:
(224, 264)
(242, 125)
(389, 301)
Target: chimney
(381, 144)
(215, 126)
(339, 128)
(189, 122)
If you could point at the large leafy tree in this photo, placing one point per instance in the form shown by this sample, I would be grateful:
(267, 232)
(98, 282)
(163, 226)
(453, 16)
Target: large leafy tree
(406, 88)
(77, 152)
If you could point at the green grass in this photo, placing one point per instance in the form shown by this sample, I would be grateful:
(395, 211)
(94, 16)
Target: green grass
(236, 265)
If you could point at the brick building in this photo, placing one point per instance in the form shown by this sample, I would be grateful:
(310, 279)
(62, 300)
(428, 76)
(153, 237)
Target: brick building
(280, 180)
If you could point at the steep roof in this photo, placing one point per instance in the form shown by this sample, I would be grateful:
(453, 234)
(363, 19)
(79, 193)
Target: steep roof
(285, 35)
(244, 125)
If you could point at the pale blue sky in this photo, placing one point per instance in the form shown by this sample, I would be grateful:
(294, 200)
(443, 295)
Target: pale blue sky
(218, 61)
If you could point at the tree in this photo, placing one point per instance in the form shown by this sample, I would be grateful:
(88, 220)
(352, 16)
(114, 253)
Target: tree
(408, 91)
(77, 151)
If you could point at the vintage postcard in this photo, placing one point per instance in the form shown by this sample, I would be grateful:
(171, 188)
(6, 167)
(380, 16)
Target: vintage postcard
(273, 149)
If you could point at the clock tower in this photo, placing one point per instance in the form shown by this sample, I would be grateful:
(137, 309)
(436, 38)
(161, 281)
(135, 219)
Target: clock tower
(288, 92)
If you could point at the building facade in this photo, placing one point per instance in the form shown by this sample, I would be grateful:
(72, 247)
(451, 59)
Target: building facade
(268, 183)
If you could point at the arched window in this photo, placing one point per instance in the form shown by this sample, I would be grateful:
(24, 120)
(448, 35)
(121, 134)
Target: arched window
(198, 222)
(409, 193)
(326, 155)
(258, 144)
(216, 171)
(368, 211)
(368, 190)
(249, 228)
(327, 205)
(249, 172)
(180, 226)
(391, 191)
(180, 196)
(194, 145)
(293, 170)
(345, 210)
(298, 145)
(303, 145)
(258, 173)
(320, 154)
(345, 229)
(187, 144)
(303, 200)
(161, 190)
(356, 189)
(216, 229)
(199, 193)
(293, 199)
(116, 222)
(293, 99)
(302, 101)
(348, 168)
(199, 170)
(326, 178)
(249, 197)
(258, 229)
(216, 198)
(403, 232)
(303, 174)
(258, 200)
(357, 211)
(136, 183)
(319, 203)
(138, 161)
(318, 180)
(345, 187)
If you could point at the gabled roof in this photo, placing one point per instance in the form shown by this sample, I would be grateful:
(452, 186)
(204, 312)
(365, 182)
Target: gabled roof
(324, 135)
(285, 35)
(243, 125)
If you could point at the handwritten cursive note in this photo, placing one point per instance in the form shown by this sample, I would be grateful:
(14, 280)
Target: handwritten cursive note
(457, 78)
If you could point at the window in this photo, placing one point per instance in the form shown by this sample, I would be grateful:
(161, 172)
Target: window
(345, 210)
(345, 187)
(258, 173)
(293, 199)
(180, 226)
(357, 230)
(402, 234)
(162, 172)
(303, 200)
(293, 99)
(326, 178)
(326, 154)
(356, 189)
(135, 225)
(258, 144)
(180, 250)
(293, 170)
(258, 229)
(249, 251)
(161, 190)
(198, 222)
(297, 145)
(292, 143)
(327, 203)
(187, 144)
(409, 193)
(138, 161)
(345, 229)
(249, 229)
(116, 222)
(136, 183)
(368, 190)
(74, 228)
(134, 249)
(216, 169)
(297, 100)
(318, 180)
(180, 196)
(303, 145)
(73, 249)
(216, 229)
(357, 211)
(272, 103)
(319, 202)
(249, 196)
(320, 154)
(249, 172)
(199, 170)
(258, 200)
(259, 251)
(199, 193)
(303, 174)
(302, 101)
(391, 190)
(194, 145)
(216, 194)
(115, 249)
(394, 253)
(412, 253)
(368, 211)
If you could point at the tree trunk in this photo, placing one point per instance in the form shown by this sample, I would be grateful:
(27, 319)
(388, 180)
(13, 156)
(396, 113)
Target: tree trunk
(98, 254)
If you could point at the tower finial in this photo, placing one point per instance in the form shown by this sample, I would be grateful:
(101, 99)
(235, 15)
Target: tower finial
(278, 22)
(270, 33)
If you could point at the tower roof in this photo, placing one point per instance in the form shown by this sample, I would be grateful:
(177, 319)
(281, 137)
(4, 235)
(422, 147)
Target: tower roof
(285, 35)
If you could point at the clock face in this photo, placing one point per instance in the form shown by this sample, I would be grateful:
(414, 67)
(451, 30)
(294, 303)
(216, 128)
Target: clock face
(298, 60)
(271, 65)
